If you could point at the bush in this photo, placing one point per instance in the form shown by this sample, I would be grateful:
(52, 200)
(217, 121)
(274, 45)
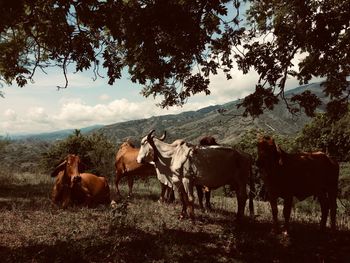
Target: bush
(95, 151)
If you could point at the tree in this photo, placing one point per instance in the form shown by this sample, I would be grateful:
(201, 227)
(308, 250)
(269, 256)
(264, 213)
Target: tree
(95, 151)
(323, 134)
(172, 47)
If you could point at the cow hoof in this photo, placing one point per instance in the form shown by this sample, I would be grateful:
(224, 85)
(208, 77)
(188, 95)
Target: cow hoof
(182, 216)
(113, 204)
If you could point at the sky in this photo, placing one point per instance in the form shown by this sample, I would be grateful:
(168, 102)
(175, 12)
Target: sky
(41, 107)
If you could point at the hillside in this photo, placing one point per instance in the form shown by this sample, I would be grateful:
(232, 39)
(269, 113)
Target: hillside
(190, 126)
(227, 127)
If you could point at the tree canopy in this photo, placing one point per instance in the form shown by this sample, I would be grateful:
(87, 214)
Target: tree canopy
(173, 47)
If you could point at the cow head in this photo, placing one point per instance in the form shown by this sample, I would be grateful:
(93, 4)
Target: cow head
(146, 152)
(269, 154)
(207, 141)
(67, 175)
(70, 165)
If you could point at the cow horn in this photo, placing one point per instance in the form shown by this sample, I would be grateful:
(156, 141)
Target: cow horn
(163, 136)
(150, 135)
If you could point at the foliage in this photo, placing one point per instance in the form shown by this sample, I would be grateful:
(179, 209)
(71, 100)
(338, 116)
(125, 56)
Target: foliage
(118, 219)
(95, 151)
(317, 32)
(173, 47)
(328, 136)
(248, 142)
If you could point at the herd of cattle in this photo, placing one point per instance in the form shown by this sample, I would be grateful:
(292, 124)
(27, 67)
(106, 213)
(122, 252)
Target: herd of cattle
(183, 166)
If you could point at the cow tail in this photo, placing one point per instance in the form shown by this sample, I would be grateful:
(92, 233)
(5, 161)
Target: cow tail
(251, 192)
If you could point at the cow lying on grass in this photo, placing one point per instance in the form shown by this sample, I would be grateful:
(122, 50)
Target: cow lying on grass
(72, 187)
(186, 166)
(301, 175)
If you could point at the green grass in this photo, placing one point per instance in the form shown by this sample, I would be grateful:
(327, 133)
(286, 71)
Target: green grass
(34, 230)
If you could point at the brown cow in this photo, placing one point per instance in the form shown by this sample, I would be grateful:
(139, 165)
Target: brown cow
(301, 175)
(205, 141)
(126, 166)
(78, 188)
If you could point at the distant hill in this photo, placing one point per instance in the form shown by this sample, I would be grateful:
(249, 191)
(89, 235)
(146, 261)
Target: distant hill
(226, 128)
(52, 136)
(192, 125)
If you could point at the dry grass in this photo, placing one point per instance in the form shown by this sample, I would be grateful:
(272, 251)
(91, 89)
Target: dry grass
(33, 230)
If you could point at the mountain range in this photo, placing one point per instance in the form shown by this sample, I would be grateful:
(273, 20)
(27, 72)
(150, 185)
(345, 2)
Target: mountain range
(226, 127)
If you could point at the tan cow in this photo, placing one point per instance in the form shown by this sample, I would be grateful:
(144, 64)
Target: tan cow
(301, 175)
(72, 187)
(127, 166)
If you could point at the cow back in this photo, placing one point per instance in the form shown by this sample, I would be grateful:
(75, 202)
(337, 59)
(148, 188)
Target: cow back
(97, 187)
(126, 161)
(216, 166)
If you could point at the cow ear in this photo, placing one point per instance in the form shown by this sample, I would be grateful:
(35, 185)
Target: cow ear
(59, 168)
(163, 136)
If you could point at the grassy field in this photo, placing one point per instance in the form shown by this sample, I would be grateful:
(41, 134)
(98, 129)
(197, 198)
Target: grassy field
(140, 229)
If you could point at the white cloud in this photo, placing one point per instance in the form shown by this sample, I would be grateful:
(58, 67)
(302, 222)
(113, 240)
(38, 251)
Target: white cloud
(10, 115)
(38, 114)
(238, 87)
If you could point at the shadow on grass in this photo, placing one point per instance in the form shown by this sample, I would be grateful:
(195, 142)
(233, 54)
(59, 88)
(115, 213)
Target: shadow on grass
(251, 243)
(132, 246)
(24, 196)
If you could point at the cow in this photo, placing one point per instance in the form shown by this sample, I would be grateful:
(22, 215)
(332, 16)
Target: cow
(126, 166)
(298, 175)
(72, 187)
(186, 165)
(205, 141)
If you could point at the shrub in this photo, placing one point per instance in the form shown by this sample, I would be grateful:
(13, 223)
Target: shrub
(96, 153)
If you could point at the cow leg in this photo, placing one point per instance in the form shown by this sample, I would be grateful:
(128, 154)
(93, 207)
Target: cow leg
(241, 201)
(163, 191)
(182, 194)
(333, 209)
(170, 196)
(286, 212)
(189, 198)
(130, 184)
(274, 210)
(207, 200)
(117, 179)
(324, 210)
(200, 195)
